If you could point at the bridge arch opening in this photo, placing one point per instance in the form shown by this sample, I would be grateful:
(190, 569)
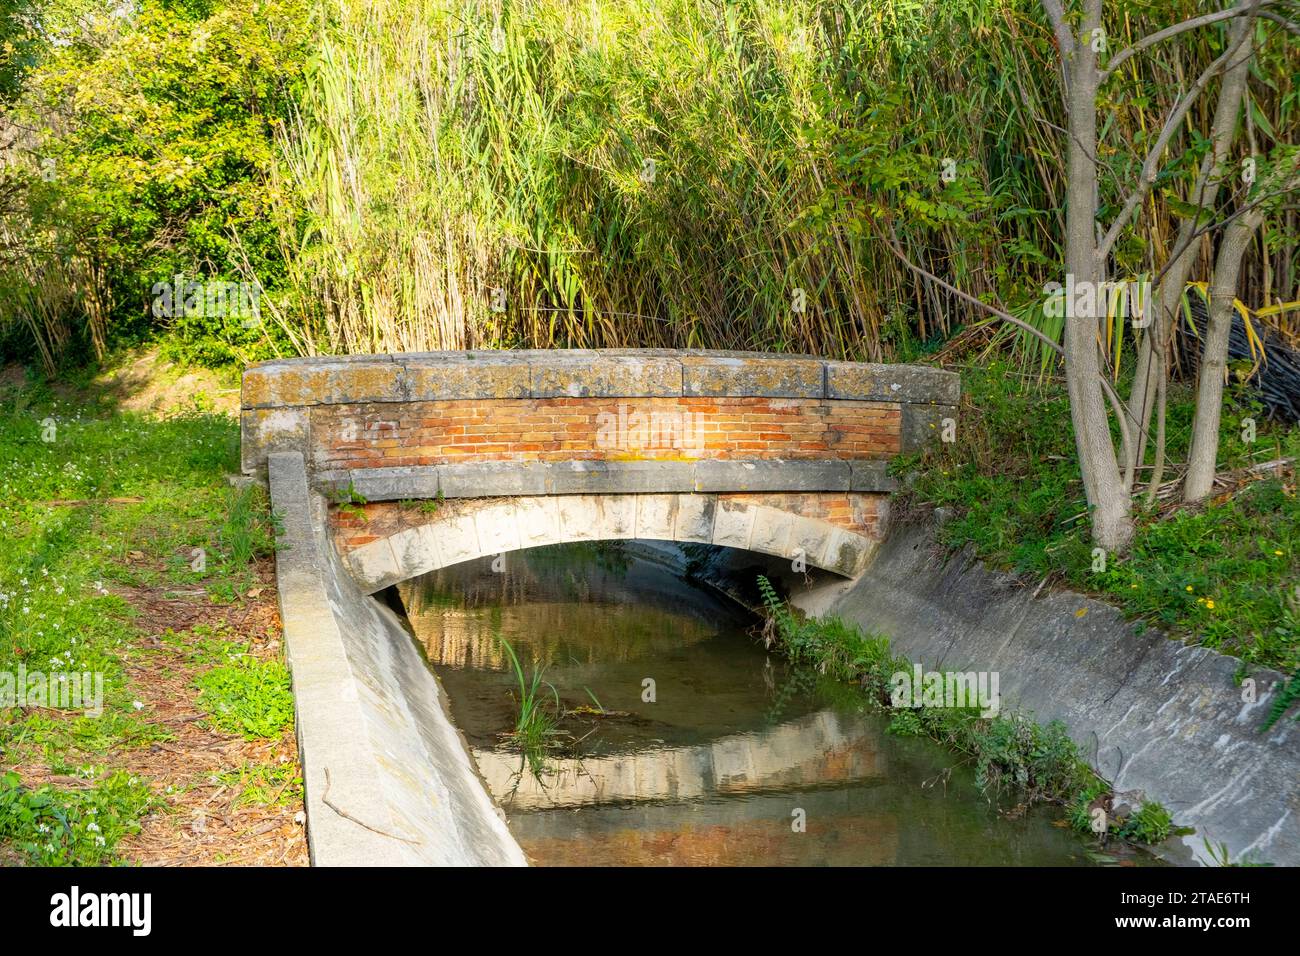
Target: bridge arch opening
(392, 542)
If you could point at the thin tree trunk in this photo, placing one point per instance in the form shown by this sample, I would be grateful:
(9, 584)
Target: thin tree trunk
(1214, 361)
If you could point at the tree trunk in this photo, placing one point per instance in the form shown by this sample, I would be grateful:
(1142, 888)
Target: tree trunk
(1214, 360)
(1108, 499)
(1154, 347)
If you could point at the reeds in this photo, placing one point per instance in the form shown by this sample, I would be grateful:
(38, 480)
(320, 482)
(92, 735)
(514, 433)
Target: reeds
(686, 173)
(669, 172)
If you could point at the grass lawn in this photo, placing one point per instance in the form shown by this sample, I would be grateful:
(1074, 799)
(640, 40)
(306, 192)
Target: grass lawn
(128, 554)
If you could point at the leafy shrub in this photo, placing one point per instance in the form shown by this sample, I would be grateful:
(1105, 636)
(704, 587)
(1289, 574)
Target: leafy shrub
(248, 697)
(1152, 823)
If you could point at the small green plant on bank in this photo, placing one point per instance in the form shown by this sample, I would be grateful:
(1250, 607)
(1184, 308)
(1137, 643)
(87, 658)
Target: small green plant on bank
(248, 697)
(1010, 751)
(1287, 696)
(249, 530)
(1220, 855)
(537, 721)
(1150, 824)
(426, 506)
(82, 827)
(265, 784)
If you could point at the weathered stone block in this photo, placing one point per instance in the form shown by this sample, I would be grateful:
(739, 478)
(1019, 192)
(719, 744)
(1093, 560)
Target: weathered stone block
(265, 431)
(395, 484)
(579, 517)
(415, 551)
(846, 552)
(771, 533)
(498, 530)
(619, 477)
(277, 384)
(771, 377)
(617, 516)
(492, 479)
(378, 380)
(733, 524)
(539, 521)
(695, 516)
(606, 376)
(374, 563)
(656, 516)
(457, 539)
(809, 539)
(458, 378)
(891, 383)
(923, 424)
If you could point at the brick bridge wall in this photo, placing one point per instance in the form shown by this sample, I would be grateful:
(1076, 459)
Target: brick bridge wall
(761, 437)
(418, 410)
(373, 434)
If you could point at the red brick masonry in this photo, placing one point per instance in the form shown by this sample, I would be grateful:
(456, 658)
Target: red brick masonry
(385, 434)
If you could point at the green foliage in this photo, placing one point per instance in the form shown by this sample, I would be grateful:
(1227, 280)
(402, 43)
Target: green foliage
(248, 531)
(81, 827)
(1221, 575)
(1150, 824)
(248, 697)
(1079, 810)
(1287, 696)
(265, 784)
(538, 719)
(155, 128)
(1010, 751)
(625, 171)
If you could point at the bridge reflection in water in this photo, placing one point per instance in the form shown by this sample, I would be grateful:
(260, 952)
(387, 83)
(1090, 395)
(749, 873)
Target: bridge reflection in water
(736, 749)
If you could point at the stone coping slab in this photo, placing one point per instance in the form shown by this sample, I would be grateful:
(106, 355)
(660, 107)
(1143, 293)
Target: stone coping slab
(585, 373)
(492, 479)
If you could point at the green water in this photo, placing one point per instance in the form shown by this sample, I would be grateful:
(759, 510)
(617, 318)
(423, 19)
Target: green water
(739, 758)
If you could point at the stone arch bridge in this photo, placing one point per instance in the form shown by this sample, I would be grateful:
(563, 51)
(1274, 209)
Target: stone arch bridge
(437, 458)
(780, 455)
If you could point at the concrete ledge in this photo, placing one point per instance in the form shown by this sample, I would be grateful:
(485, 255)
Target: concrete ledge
(388, 780)
(910, 384)
(773, 377)
(771, 475)
(492, 479)
(619, 477)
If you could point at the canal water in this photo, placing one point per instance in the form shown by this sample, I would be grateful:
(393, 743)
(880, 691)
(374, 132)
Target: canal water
(682, 741)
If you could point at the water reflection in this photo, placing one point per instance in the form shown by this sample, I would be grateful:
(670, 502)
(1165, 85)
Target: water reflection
(738, 759)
